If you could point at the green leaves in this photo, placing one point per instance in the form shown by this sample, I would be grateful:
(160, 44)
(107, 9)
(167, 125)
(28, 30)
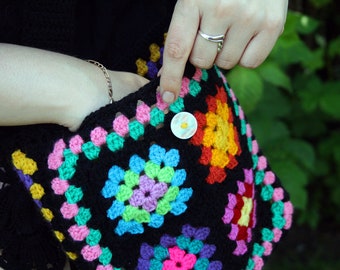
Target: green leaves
(269, 130)
(271, 72)
(334, 47)
(318, 95)
(330, 100)
(320, 3)
(298, 23)
(301, 152)
(248, 86)
(291, 49)
(293, 160)
(293, 104)
(295, 181)
(309, 89)
(305, 24)
(297, 123)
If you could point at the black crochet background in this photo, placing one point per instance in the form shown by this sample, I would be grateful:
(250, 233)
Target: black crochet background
(205, 208)
(26, 240)
(117, 33)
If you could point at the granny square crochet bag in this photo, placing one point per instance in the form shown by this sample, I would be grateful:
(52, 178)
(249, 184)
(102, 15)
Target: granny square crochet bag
(144, 185)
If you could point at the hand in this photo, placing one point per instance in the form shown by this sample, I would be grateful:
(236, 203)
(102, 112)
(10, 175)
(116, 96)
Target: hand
(251, 28)
(39, 86)
(123, 84)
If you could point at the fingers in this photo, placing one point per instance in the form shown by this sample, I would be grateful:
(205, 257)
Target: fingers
(250, 38)
(235, 43)
(249, 44)
(204, 52)
(180, 39)
(257, 50)
(250, 29)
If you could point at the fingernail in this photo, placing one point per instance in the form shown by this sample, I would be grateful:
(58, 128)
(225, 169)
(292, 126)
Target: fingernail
(168, 97)
(160, 72)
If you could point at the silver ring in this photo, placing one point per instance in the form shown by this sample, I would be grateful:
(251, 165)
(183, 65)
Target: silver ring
(216, 39)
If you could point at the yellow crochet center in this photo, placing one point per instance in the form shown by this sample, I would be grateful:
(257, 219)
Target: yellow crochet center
(37, 191)
(245, 212)
(155, 52)
(47, 214)
(142, 68)
(21, 162)
(217, 130)
(219, 158)
(60, 236)
(72, 255)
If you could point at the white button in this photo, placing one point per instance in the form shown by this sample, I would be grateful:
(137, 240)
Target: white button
(183, 125)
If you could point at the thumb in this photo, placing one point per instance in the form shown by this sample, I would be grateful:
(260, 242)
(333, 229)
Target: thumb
(179, 42)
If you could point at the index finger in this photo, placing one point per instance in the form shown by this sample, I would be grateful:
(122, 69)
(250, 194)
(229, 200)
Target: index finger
(179, 42)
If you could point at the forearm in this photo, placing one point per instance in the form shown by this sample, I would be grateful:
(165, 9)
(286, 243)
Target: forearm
(38, 86)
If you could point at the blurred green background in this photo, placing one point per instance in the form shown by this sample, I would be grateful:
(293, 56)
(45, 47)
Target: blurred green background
(293, 104)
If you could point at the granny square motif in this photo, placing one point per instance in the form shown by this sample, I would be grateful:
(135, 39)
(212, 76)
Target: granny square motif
(144, 185)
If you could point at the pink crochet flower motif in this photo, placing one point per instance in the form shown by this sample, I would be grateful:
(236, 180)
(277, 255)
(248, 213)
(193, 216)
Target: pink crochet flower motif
(187, 251)
(179, 259)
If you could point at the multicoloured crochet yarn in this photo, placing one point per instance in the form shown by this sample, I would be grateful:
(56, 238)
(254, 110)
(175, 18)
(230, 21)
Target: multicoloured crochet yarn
(151, 67)
(124, 192)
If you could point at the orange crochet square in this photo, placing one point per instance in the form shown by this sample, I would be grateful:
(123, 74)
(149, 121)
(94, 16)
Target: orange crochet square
(217, 136)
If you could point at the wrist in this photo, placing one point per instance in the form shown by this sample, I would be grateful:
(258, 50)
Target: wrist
(107, 78)
(88, 94)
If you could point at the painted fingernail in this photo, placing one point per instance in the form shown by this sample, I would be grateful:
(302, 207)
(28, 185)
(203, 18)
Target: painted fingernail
(168, 97)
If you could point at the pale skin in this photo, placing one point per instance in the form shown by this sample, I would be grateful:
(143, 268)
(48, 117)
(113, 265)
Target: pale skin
(39, 86)
(251, 28)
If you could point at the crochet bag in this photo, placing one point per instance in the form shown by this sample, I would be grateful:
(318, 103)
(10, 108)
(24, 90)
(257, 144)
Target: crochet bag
(143, 185)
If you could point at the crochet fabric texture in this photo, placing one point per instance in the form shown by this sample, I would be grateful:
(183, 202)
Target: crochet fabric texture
(124, 192)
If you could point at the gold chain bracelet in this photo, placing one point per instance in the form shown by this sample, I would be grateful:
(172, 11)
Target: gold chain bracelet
(107, 77)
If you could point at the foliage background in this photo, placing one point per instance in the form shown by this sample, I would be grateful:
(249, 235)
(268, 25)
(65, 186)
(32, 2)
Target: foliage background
(293, 104)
